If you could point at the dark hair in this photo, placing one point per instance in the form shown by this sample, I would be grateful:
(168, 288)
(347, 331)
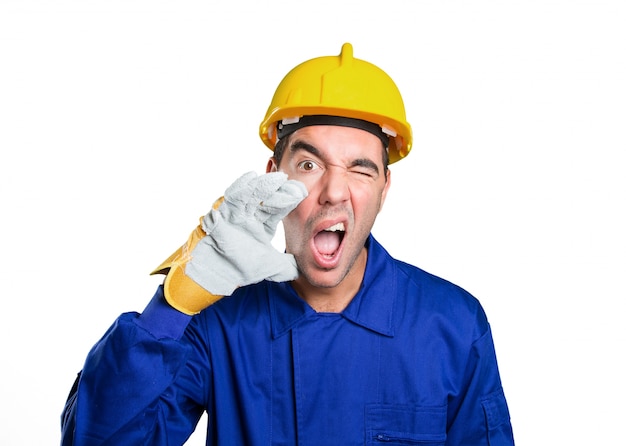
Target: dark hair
(279, 149)
(281, 145)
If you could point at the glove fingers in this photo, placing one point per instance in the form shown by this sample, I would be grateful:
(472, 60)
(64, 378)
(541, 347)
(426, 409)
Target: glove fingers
(266, 185)
(285, 199)
(281, 203)
(266, 199)
(250, 189)
(240, 188)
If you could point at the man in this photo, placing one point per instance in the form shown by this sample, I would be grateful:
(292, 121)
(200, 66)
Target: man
(332, 342)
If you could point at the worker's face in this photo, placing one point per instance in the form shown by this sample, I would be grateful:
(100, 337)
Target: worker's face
(342, 168)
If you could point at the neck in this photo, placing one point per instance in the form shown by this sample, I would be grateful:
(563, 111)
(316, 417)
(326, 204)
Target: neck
(336, 298)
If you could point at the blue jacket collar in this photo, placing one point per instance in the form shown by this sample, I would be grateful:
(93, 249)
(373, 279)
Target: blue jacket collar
(372, 307)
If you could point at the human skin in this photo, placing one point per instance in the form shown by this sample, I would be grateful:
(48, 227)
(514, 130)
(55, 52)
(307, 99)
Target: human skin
(342, 168)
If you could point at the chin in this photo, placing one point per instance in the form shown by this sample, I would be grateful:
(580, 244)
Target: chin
(323, 279)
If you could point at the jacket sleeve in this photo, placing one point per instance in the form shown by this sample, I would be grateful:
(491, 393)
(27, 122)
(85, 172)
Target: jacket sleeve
(135, 381)
(480, 415)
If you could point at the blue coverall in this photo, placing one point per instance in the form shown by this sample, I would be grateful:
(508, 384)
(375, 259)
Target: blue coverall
(410, 361)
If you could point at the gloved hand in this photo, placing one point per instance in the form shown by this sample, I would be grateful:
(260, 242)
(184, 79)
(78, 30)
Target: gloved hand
(232, 245)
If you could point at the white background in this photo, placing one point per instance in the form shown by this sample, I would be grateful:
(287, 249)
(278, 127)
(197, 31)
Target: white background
(121, 122)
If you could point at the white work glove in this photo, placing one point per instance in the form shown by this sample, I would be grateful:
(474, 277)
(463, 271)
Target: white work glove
(237, 248)
(231, 247)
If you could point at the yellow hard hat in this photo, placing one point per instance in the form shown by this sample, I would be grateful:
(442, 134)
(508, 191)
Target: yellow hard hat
(340, 86)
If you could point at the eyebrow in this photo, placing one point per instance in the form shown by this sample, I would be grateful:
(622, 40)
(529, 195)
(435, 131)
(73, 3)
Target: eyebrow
(299, 145)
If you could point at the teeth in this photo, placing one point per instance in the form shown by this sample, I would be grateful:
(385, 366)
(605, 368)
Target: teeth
(337, 227)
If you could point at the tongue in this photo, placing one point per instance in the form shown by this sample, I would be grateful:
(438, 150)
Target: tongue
(327, 242)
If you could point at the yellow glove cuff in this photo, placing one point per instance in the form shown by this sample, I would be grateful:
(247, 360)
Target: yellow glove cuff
(181, 292)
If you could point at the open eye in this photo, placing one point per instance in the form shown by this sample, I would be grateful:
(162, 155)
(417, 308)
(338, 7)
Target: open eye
(307, 165)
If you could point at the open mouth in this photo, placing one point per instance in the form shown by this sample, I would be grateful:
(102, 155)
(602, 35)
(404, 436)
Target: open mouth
(328, 241)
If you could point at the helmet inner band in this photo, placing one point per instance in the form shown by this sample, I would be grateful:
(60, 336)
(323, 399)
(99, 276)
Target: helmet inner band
(285, 129)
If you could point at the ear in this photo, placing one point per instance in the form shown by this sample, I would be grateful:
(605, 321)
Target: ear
(385, 190)
(271, 165)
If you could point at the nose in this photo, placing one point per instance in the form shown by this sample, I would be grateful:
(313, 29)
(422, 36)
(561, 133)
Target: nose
(334, 187)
